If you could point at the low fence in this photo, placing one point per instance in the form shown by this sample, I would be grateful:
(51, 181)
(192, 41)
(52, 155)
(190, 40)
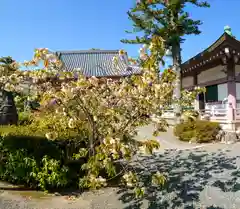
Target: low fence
(237, 114)
(169, 116)
(229, 119)
(219, 115)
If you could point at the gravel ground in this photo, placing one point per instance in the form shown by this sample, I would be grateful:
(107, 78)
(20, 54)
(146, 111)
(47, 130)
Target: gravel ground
(206, 178)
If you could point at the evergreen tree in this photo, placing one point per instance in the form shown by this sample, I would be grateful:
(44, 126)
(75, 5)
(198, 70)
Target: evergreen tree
(168, 20)
(6, 60)
(7, 63)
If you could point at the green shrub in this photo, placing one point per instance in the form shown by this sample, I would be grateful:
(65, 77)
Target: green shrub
(24, 118)
(21, 168)
(17, 167)
(52, 174)
(206, 131)
(19, 101)
(24, 102)
(191, 115)
(44, 122)
(199, 130)
(185, 130)
(29, 158)
(39, 163)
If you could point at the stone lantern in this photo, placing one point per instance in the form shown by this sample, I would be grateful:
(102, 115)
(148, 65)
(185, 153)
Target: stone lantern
(8, 110)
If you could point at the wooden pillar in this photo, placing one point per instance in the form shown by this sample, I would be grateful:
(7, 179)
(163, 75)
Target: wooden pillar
(231, 84)
(196, 102)
(232, 102)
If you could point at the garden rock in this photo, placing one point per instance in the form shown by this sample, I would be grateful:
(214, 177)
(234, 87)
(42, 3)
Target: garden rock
(205, 117)
(227, 137)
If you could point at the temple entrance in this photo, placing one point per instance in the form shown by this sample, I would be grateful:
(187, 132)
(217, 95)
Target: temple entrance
(201, 98)
(211, 94)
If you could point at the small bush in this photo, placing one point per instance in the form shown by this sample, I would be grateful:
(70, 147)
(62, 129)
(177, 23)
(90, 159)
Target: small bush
(185, 130)
(52, 174)
(199, 130)
(39, 163)
(24, 118)
(191, 115)
(206, 131)
(17, 167)
(21, 168)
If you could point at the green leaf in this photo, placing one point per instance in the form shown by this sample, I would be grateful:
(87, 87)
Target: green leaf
(110, 168)
(139, 192)
(156, 133)
(158, 179)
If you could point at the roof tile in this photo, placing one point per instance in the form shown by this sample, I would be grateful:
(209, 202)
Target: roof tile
(96, 63)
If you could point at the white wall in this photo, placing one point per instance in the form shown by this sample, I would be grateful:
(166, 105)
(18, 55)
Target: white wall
(211, 74)
(238, 91)
(187, 81)
(237, 70)
(222, 91)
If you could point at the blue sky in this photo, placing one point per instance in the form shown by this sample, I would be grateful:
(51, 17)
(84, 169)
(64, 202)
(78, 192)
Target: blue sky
(79, 24)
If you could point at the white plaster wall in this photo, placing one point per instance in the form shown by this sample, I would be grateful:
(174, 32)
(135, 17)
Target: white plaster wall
(222, 91)
(187, 81)
(211, 74)
(238, 91)
(237, 70)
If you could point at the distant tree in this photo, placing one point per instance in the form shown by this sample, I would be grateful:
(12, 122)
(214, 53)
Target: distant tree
(7, 62)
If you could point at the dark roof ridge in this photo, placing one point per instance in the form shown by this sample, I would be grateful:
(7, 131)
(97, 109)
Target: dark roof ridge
(86, 51)
(224, 37)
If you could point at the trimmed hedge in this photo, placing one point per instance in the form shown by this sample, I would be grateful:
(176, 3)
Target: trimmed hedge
(199, 131)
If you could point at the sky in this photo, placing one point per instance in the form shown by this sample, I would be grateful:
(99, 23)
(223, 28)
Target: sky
(81, 25)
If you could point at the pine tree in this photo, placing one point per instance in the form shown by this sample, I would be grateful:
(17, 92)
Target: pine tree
(7, 62)
(169, 20)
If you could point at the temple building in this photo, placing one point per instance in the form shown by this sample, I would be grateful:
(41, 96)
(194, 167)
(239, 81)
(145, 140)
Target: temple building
(217, 68)
(98, 63)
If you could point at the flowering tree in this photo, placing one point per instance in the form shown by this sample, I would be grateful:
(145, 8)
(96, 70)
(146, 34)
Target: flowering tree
(9, 74)
(110, 110)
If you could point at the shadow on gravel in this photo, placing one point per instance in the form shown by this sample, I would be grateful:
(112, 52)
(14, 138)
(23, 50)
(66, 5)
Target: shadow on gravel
(188, 173)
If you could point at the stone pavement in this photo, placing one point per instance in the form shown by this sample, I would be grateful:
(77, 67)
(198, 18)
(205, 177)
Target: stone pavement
(197, 178)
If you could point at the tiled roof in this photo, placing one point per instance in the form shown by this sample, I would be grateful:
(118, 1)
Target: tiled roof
(96, 63)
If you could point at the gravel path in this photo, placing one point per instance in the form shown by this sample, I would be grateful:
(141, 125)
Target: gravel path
(204, 178)
(167, 139)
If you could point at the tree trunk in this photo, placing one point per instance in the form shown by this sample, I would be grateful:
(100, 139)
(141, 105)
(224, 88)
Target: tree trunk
(92, 139)
(176, 55)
